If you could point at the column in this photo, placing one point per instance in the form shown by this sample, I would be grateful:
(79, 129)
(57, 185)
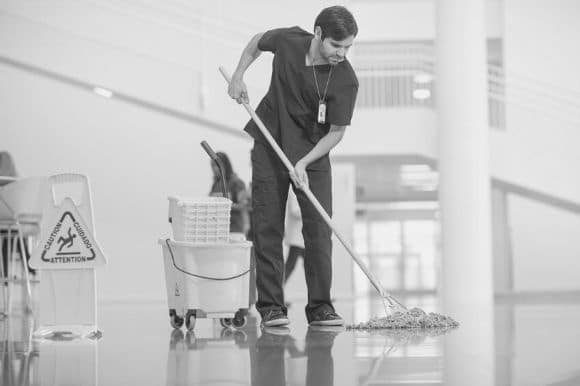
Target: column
(464, 191)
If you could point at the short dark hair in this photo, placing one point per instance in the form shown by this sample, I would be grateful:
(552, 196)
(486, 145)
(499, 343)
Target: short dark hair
(336, 22)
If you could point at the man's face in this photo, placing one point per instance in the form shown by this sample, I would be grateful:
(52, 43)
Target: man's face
(334, 51)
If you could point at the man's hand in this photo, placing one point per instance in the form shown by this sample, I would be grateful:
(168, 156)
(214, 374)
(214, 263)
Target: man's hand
(300, 176)
(238, 90)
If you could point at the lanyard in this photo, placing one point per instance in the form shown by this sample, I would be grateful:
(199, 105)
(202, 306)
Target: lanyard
(321, 100)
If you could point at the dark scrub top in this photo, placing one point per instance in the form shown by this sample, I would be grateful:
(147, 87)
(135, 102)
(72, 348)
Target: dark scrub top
(290, 108)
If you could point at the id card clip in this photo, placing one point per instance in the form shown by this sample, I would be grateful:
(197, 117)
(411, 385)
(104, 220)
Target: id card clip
(321, 112)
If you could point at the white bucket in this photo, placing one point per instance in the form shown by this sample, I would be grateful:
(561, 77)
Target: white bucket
(213, 278)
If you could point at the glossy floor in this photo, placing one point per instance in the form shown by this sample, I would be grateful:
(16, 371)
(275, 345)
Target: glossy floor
(532, 342)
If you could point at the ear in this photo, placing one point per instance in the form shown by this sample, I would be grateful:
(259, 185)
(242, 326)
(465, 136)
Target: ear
(318, 32)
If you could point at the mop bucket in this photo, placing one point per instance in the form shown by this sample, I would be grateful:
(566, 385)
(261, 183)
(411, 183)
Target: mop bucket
(207, 280)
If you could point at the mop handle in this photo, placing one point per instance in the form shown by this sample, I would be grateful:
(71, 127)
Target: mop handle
(218, 163)
(308, 193)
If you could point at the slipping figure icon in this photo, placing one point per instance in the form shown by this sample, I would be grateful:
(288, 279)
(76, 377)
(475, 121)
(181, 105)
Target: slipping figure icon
(68, 242)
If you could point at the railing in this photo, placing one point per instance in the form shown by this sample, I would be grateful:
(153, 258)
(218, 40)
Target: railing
(495, 102)
(548, 101)
(402, 75)
(394, 74)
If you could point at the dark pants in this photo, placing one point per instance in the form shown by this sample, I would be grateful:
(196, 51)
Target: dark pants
(270, 183)
(320, 364)
(267, 362)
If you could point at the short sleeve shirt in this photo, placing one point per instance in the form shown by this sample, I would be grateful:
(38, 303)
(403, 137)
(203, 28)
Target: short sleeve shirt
(290, 108)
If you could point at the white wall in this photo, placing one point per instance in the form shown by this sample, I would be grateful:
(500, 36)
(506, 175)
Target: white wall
(134, 158)
(538, 150)
(544, 245)
(541, 40)
(102, 48)
(390, 131)
(410, 19)
(159, 53)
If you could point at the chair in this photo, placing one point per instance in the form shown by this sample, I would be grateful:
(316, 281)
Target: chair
(20, 215)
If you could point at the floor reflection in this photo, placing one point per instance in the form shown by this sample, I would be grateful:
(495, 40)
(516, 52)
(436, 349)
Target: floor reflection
(271, 351)
(60, 360)
(503, 346)
(222, 359)
(20, 356)
(68, 361)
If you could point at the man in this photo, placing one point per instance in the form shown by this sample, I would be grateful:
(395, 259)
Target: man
(307, 108)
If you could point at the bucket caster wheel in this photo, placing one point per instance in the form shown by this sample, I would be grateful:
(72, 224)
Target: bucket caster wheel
(240, 337)
(190, 318)
(227, 333)
(240, 318)
(175, 320)
(176, 337)
(239, 321)
(226, 322)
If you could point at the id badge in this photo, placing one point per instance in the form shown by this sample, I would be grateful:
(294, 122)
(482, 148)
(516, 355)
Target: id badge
(321, 112)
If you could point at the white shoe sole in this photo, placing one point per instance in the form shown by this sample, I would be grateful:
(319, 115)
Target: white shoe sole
(279, 331)
(276, 323)
(339, 322)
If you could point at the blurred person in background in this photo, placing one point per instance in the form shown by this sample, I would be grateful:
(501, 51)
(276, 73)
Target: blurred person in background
(7, 167)
(293, 238)
(236, 189)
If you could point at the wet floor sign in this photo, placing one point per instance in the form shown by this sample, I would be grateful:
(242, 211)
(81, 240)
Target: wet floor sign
(67, 243)
(68, 255)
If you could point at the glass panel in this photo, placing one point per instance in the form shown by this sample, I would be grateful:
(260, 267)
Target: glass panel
(385, 237)
(419, 259)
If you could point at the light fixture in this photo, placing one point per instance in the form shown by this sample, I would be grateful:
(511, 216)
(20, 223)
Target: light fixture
(103, 92)
(422, 93)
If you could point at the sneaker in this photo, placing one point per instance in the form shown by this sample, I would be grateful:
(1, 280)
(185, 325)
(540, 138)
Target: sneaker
(326, 318)
(274, 318)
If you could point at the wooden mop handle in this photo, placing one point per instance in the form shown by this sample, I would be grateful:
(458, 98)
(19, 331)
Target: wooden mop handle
(307, 191)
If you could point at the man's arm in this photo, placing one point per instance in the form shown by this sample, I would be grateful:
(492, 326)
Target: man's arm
(323, 147)
(237, 88)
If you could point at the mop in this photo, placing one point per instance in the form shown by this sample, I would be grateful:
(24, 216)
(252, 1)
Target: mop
(398, 316)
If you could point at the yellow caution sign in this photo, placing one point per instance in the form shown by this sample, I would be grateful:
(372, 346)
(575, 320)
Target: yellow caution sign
(67, 242)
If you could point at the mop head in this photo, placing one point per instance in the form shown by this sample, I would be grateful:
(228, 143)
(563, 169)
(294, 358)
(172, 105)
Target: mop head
(414, 318)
